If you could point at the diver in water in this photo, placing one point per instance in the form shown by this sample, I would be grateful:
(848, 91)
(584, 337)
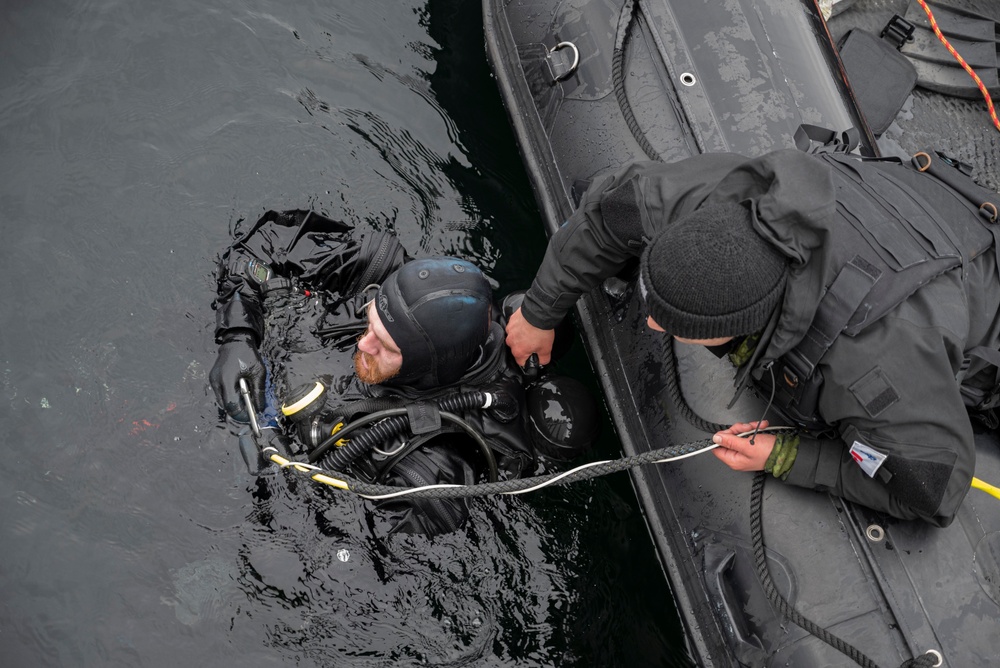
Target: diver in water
(859, 297)
(344, 329)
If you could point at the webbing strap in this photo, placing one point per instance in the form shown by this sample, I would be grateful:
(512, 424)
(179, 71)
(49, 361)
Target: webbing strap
(808, 136)
(956, 175)
(845, 295)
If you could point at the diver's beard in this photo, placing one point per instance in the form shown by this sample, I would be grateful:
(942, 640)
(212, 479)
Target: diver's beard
(373, 375)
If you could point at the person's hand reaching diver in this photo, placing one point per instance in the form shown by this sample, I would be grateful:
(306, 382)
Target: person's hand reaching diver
(523, 339)
(238, 358)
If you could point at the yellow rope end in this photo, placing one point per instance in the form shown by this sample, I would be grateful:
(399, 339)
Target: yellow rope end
(986, 487)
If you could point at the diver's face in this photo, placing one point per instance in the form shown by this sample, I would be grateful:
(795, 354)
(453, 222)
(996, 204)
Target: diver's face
(378, 358)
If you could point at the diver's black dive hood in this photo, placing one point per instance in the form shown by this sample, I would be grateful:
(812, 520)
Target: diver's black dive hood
(437, 310)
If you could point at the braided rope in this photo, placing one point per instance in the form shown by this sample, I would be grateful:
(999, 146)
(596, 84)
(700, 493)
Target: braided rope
(618, 77)
(774, 596)
(521, 484)
(779, 602)
(961, 61)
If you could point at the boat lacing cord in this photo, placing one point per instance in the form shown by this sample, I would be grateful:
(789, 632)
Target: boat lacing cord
(625, 19)
(961, 61)
(757, 538)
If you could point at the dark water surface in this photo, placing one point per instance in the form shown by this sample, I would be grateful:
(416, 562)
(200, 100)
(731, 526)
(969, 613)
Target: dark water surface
(134, 135)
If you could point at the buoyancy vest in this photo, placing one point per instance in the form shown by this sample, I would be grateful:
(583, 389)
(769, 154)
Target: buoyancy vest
(504, 434)
(885, 242)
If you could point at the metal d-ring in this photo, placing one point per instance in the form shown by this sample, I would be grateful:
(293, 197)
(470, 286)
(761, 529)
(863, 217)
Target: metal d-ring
(576, 58)
(989, 209)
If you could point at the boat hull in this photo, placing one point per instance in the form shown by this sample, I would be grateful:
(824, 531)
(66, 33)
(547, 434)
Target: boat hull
(743, 77)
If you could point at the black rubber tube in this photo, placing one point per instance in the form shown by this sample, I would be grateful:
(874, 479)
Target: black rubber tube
(321, 449)
(392, 422)
(453, 402)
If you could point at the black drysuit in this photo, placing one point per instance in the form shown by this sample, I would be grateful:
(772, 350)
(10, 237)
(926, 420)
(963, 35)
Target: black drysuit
(294, 286)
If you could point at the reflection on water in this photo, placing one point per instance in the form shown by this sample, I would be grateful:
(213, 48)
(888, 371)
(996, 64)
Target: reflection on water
(135, 136)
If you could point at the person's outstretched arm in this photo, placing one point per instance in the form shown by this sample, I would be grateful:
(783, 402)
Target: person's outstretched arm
(615, 217)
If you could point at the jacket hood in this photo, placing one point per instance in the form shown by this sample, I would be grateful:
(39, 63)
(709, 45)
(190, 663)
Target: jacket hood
(793, 200)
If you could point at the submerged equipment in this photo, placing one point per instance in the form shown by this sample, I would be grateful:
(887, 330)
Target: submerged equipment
(562, 416)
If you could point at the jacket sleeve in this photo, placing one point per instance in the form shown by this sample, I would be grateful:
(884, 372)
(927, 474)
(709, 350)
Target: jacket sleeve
(320, 253)
(893, 394)
(238, 306)
(615, 218)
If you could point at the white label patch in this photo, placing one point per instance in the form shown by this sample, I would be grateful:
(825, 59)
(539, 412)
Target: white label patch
(867, 457)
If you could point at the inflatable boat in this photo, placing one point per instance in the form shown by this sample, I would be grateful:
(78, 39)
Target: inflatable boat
(791, 577)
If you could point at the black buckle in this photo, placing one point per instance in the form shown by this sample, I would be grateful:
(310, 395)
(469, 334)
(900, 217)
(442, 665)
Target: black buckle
(897, 31)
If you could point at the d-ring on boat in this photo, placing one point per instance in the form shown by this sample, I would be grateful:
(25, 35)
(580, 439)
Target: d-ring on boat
(590, 85)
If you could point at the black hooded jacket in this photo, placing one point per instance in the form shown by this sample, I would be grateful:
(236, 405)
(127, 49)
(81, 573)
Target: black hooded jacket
(898, 375)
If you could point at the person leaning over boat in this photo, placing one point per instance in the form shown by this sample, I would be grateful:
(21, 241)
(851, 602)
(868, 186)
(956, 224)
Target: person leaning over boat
(864, 293)
(332, 310)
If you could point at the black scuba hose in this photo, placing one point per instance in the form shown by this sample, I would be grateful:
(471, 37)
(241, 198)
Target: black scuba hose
(369, 405)
(375, 408)
(392, 422)
(484, 447)
(321, 449)
(342, 457)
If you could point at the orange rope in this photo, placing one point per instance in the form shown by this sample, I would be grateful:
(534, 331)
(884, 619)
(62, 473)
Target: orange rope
(961, 61)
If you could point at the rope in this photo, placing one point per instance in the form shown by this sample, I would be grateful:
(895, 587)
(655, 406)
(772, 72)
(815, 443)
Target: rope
(507, 487)
(774, 596)
(961, 61)
(984, 486)
(761, 565)
(618, 76)
(673, 382)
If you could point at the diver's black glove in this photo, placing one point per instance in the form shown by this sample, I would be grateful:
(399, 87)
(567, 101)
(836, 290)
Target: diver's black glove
(238, 358)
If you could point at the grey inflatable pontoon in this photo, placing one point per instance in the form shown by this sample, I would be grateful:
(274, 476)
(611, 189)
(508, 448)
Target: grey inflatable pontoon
(592, 84)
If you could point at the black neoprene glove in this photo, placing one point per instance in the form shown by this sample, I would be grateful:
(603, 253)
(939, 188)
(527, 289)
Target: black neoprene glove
(238, 358)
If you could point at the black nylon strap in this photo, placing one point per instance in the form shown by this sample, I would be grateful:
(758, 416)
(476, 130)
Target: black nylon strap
(816, 139)
(841, 300)
(424, 416)
(951, 172)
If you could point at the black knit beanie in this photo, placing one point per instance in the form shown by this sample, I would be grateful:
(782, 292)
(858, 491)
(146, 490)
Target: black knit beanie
(709, 274)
